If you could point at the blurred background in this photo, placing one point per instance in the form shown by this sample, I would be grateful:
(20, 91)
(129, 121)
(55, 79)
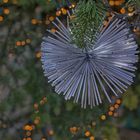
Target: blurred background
(29, 107)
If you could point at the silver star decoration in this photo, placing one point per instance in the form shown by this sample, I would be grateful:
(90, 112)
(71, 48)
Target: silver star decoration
(106, 68)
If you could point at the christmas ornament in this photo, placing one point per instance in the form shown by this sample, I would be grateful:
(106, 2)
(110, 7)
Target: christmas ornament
(106, 67)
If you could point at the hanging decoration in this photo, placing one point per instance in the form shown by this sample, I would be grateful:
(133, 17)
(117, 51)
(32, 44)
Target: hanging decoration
(107, 65)
(81, 73)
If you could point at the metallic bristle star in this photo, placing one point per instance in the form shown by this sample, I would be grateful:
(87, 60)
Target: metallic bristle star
(107, 66)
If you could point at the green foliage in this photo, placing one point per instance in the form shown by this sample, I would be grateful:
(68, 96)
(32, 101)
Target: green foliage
(130, 100)
(46, 5)
(88, 17)
(134, 1)
(113, 135)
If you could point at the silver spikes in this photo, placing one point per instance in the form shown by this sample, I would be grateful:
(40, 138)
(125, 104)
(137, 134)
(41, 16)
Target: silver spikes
(83, 73)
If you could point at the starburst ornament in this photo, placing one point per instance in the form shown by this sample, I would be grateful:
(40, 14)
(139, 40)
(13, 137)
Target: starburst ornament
(106, 68)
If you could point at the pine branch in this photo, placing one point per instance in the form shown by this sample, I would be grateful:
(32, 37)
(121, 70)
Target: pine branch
(135, 2)
(88, 17)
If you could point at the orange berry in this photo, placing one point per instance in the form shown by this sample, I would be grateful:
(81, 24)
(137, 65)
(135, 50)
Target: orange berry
(35, 106)
(6, 11)
(117, 3)
(53, 30)
(58, 13)
(28, 128)
(87, 133)
(64, 11)
(29, 138)
(43, 139)
(110, 113)
(18, 43)
(103, 117)
(116, 106)
(92, 138)
(74, 129)
(73, 5)
(105, 23)
(1, 18)
(122, 10)
(118, 101)
(51, 18)
(130, 14)
(42, 102)
(51, 132)
(38, 54)
(111, 108)
(36, 121)
(34, 21)
(5, 1)
(111, 3)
